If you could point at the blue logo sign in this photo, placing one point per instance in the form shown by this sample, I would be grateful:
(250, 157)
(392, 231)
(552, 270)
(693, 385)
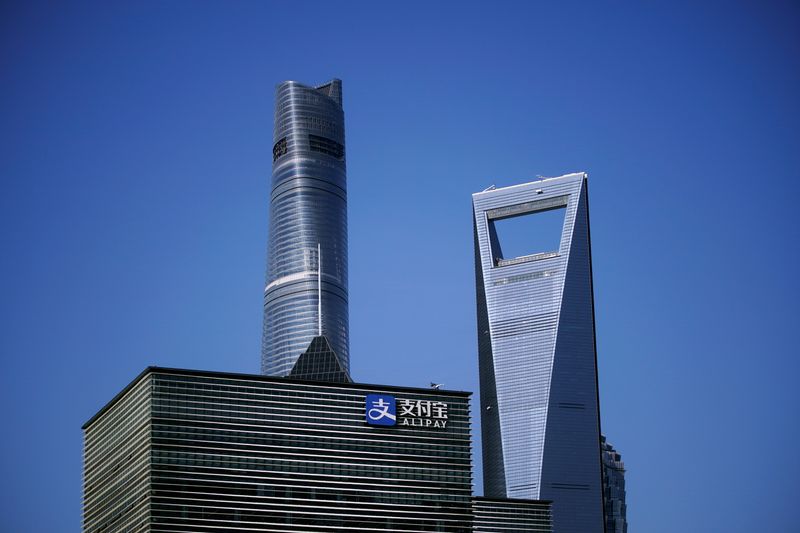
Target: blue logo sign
(381, 410)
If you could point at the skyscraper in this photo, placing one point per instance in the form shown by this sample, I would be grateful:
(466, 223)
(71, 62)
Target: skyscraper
(537, 356)
(614, 489)
(308, 214)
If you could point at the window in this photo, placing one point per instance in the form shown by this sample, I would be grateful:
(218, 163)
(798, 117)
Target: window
(279, 149)
(326, 146)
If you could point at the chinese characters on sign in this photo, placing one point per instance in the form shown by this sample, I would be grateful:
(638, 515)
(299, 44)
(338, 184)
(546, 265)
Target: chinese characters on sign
(381, 410)
(423, 413)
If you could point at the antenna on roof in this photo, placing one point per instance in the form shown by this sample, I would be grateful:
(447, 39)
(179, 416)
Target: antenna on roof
(319, 287)
(489, 188)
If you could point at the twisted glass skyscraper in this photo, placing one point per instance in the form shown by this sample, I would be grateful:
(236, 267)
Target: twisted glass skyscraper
(537, 357)
(308, 212)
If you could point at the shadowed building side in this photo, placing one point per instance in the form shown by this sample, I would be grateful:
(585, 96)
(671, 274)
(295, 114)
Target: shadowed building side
(308, 211)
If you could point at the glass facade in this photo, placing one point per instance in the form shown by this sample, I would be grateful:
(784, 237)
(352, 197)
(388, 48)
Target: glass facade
(319, 363)
(537, 357)
(614, 489)
(117, 464)
(308, 212)
(495, 515)
(184, 451)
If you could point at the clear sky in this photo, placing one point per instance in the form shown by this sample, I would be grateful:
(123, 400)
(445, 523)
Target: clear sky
(135, 156)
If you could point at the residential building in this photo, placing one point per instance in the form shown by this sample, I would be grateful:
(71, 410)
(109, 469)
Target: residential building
(536, 343)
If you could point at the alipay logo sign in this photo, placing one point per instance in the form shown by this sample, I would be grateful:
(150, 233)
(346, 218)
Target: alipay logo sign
(381, 410)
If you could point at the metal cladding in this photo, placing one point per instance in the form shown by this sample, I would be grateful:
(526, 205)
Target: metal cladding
(510, 516)
(308, 209)
(537, 356)
(183, 451)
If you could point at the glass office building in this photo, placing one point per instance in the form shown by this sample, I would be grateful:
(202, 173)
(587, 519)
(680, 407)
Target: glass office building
(537, 357)
(307, 227)
(184, 451)
(614, 489)
(497, 515)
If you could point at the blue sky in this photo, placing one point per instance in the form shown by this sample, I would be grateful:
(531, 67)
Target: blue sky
(135, 158)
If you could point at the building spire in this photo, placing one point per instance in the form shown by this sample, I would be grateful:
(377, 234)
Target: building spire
(319, 288)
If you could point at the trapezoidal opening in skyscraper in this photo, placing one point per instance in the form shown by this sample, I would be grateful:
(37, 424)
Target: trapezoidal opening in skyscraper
(527, 231)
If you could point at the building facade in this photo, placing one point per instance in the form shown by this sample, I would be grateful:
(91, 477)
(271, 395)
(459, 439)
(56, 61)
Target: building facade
(614, 489)
(307, 228)
(497, 515)
(319, 363)
(184, 451)
(537, 356)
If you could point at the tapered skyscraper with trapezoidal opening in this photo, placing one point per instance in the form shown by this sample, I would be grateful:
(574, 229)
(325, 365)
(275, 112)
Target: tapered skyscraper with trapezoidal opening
(307, 227)
(536, 342)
